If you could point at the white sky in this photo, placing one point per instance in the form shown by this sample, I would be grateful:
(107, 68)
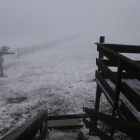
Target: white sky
(29, 22)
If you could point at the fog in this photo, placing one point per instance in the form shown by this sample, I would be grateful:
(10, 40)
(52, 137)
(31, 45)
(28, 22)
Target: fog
(68, 22)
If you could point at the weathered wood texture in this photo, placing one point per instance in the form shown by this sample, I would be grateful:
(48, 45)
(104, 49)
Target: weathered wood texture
(70, 116)
(126, 127)
(132, 69)
(67, 127)
(121, 87)
(123, 48)
(29, 129)
(95, 129)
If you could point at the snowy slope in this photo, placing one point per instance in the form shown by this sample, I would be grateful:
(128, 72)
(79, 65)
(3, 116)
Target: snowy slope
(57, 79)
(60, 80)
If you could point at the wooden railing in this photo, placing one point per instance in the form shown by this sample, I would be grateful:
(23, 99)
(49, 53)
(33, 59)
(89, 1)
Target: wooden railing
(120, 90)
(128, 128)
(119, 86)
(39, 125)
(30, 129)
(25, 50)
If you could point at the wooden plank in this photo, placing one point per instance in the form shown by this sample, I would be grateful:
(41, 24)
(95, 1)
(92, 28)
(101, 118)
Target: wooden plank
(110, 54)
(44, 133)
(128, 110)
(111, 64)
(132, 69)
(124, 103)
(106, 71)
(63, 117)
(105, 92)
(28, 130)
(124, 109)
(123, 48)
(125, 75)
(98, 132)
(136, 61)
(128, 65)
(106, 88)
(131, 95)
(137, 84)
(132, 130)
(108, 63)
(67, 127)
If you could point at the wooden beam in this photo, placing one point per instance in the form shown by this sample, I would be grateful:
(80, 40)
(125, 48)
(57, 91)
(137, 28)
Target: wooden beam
(108, 63)
(106, 88)
(128, 65)
(97, 131)
(67, 127)
(63, 117)
(131, 95)
(132, 130)
(111, 64)
(128, 112)
(123, 48)
(28, 130)
(109, 74)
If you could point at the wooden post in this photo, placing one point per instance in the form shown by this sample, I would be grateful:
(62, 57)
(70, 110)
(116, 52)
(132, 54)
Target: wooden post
(102, 40)
(18, 52)
(40, 129)
(98, 91)
(46, 124)
(97, 103)
(117, 92)
(1, 67)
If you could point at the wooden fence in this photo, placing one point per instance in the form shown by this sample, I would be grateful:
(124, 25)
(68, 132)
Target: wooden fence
(25, 50)
(128, 128)
(121, 88)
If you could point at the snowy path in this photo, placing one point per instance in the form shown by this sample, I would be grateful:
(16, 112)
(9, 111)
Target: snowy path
(60, 80)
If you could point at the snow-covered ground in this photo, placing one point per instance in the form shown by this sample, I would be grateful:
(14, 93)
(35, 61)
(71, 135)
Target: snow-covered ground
(60, 80)
(57, 79)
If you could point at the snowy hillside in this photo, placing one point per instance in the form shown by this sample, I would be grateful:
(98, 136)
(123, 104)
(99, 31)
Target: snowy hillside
(60, 80)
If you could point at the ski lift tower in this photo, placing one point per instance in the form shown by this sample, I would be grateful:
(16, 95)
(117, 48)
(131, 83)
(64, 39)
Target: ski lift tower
(3, 51)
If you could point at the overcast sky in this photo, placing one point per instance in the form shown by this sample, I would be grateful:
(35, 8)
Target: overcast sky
(30, 22)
